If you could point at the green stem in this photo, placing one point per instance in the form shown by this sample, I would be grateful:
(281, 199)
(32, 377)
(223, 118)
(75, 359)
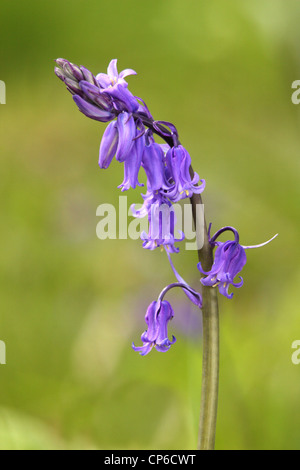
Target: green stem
(210, 361)
(210, 370)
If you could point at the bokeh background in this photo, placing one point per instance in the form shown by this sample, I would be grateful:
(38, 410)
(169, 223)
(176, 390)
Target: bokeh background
(72, 304)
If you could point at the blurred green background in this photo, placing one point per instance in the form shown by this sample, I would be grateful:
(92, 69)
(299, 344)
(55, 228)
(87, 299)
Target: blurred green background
(72, 304)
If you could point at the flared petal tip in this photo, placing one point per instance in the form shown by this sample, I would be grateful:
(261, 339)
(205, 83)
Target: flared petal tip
(143, 350)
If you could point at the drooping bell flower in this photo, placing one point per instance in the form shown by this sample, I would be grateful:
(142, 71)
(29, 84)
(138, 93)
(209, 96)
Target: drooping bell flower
(162, 222)
(117, 140)
(153, 163)
(108, 145)
(132, 163)
(158, 315)
(178, 166)
(178, 163)
(230, 258)
(127, 131)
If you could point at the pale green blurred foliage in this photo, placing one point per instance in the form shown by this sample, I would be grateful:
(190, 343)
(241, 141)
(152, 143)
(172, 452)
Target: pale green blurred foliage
(70, 304)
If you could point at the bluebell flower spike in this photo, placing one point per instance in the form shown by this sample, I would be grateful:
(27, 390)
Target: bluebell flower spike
(129, 137)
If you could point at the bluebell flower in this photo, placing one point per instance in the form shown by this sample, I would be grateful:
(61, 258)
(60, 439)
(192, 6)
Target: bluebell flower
(113, 77)
(162, 221)
(113, 83)
(108, 145)
(178, 163)
(117, 140)
(127, 131)
(158, 315)
(132, 162)
(164, 186)
(230, 258)
(154, 164)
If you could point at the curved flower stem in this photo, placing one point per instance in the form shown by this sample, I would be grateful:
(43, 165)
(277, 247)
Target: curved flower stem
(210, 361)
(210, 314)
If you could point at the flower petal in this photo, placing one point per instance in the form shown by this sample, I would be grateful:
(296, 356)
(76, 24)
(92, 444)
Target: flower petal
(143, 350)
(127, 132)
(108, 145)
(132, 165)
(127, 72)
(103, 80)
(127, 102)
(112, 70)
(153, 164)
